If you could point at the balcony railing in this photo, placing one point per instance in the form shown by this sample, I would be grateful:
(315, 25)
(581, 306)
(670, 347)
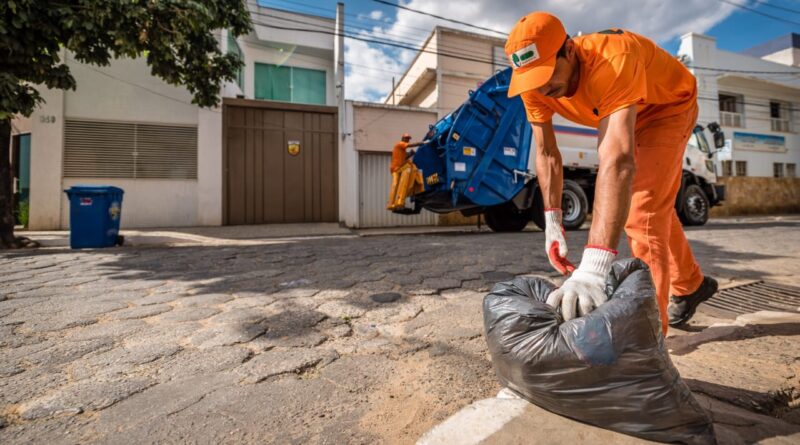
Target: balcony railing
(781, 125)
(730, 119)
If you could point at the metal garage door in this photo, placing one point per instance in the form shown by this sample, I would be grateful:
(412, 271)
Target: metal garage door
(374, 183)
(281, 162)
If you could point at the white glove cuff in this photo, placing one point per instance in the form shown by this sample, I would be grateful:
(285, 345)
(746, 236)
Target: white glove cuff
(597, 261)
(552, 218)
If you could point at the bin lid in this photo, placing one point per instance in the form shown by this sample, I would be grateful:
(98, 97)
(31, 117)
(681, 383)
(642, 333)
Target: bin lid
(94, 189)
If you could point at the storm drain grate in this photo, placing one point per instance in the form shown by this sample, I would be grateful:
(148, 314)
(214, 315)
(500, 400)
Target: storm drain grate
(754, 297)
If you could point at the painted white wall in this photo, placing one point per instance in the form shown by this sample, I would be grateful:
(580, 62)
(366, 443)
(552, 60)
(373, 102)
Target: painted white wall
(126, 91)
(787, 56)
(265, 19)
(756, 89)
(209, 167)
(348, 171)
(47, 138)
(150, 203)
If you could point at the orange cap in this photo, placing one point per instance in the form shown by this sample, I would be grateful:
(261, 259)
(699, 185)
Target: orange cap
(531, 48)
(406, 136)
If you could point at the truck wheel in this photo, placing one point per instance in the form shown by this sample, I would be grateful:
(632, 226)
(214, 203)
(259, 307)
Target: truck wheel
(693, 211)
(574, 205)
(537, 209)
(507, 217)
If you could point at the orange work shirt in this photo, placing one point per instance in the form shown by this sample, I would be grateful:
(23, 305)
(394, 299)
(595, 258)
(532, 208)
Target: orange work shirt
(618, 69)
(398, 155)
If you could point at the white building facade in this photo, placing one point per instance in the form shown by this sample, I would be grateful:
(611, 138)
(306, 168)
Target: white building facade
(755, 96)
(122, 126)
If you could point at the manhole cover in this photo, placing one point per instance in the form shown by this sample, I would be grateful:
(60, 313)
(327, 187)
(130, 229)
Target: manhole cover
(754, 297)
(386, 297)
(497, 276)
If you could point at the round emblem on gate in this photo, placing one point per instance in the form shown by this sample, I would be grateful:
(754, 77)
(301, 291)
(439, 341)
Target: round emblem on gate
(293, 148)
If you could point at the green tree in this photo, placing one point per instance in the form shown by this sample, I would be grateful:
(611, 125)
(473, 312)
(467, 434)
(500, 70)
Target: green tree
(174, 36)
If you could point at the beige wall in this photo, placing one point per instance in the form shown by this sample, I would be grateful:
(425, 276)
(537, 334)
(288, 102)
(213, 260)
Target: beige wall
(426, 59)
(469, 45)
(751, 196)
(379, 127)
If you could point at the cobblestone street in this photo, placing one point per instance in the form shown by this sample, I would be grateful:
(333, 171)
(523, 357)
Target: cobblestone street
(332, 340)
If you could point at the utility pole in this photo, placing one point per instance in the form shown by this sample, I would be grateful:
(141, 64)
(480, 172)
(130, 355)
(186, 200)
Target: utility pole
(338, 67)
(393, 87)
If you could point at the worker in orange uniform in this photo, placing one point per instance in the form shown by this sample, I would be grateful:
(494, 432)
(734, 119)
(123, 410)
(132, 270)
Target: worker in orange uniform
(402, 170)
(644, 104)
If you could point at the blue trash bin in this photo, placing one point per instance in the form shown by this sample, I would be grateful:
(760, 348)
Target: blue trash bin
(94, 216)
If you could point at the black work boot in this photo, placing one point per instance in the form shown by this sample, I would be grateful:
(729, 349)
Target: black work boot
(681, 309)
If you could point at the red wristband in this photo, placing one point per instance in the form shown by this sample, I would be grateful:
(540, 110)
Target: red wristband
(590, 246)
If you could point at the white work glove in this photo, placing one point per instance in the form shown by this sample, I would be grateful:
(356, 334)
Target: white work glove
(586, 286)
(555, 242)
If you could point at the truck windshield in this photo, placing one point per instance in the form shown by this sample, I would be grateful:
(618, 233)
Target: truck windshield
(699, 140)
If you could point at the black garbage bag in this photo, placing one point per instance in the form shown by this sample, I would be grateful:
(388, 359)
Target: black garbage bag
(608, 368)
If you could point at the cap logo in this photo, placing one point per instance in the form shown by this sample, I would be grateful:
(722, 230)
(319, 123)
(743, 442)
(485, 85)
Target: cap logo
(524, 56)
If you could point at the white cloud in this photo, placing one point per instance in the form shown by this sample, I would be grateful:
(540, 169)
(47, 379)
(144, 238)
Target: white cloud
(657, 19)
(376, 14)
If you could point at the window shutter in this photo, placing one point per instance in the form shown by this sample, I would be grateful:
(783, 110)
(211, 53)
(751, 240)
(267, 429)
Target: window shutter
(96, 149)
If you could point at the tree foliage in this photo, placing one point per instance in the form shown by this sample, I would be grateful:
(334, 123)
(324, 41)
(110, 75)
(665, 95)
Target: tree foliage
(175, 36)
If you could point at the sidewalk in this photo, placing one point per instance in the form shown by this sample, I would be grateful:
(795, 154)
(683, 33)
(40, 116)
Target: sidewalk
(743, 371)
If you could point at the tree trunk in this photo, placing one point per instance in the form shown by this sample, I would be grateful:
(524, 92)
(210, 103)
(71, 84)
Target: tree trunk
(7, 239)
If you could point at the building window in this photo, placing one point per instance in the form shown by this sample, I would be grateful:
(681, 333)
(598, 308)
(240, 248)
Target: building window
(779, 116)
(234, 48)
(731, 110)
(791, 170)
(289, 84)
(727, 168)
(741, 168)
(777, 169)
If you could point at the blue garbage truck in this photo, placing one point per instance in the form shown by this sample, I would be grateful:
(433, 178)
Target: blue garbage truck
(479, 159)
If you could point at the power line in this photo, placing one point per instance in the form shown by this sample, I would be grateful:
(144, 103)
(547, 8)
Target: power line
(410, 46)
(782, 8)
(440, 17)
(755, 11)
(455, 51)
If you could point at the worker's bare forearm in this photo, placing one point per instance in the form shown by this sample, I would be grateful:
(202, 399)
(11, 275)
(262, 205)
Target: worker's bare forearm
(549, 168)
(550, 174)
(613, 189)
(612, 201)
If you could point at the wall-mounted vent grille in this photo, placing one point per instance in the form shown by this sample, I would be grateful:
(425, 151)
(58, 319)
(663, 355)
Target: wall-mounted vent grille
(94, 149)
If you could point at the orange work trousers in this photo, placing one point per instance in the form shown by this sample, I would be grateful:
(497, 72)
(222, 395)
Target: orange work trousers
(654, 232)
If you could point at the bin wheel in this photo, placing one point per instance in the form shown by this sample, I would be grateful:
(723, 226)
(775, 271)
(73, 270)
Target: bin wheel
(120, 240)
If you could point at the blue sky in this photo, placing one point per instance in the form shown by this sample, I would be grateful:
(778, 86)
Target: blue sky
(371, 67)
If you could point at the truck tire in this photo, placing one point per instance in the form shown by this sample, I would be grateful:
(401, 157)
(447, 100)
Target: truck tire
(574, 205)
(537, 209)
(694, 206)
(507, 217)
